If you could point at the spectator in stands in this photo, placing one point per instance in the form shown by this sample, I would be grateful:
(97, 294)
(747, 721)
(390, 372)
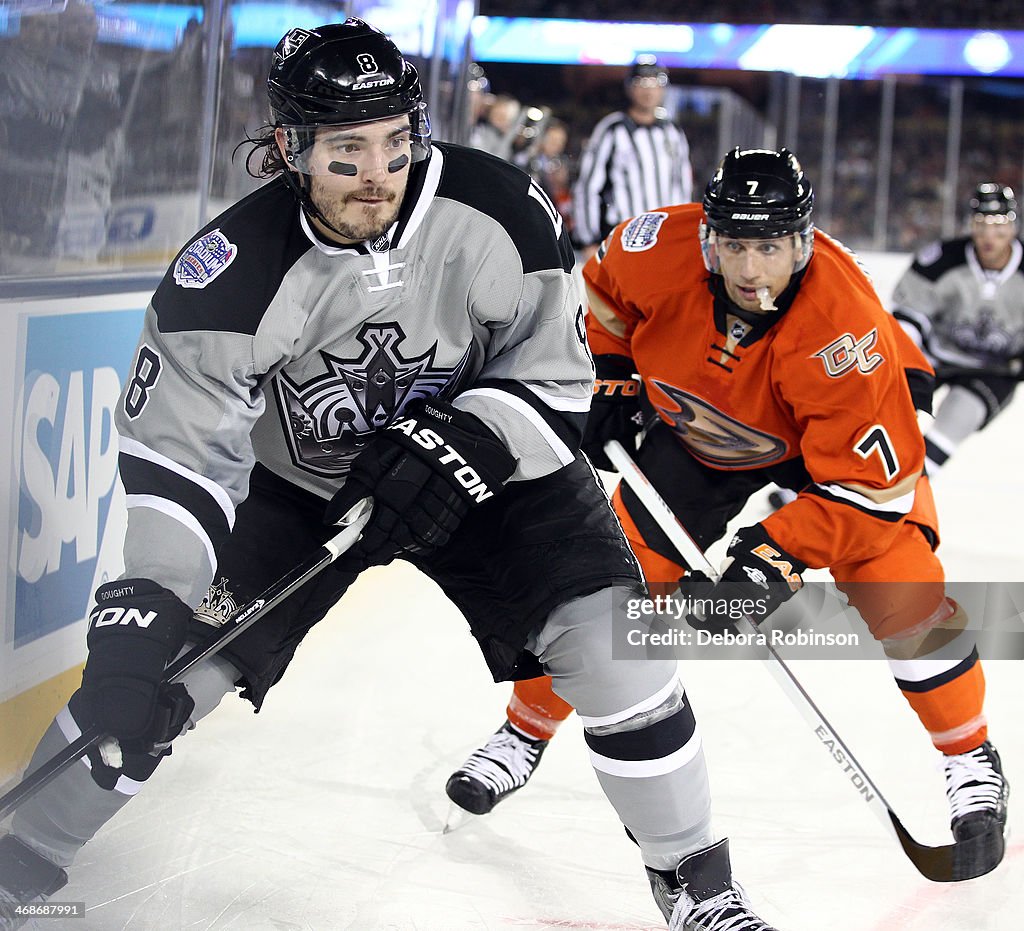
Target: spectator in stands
(59, 139)
(498, 131)
(547, 162)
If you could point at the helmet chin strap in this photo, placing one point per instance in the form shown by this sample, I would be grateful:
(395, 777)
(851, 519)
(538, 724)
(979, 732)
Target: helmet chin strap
(347, 168)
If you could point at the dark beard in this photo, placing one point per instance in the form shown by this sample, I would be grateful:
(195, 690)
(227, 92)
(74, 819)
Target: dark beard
(369, 226)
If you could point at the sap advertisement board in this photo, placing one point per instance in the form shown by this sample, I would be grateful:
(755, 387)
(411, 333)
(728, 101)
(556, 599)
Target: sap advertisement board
(66, 362)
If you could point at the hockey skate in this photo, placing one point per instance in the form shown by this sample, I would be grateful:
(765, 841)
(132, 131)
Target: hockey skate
(978, 794)
(26, 878)
(501, 766)
(700, 895)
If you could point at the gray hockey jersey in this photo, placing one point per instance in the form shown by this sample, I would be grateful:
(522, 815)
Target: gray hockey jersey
(265, 344)
(963, 315)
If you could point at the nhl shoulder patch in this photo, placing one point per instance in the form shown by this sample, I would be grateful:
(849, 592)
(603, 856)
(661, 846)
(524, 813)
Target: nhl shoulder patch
(929, 254)
(641, 232)
(204, 260)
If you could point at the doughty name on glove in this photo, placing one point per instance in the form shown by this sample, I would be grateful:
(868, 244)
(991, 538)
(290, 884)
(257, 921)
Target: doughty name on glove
(679, 607)
(432, 442)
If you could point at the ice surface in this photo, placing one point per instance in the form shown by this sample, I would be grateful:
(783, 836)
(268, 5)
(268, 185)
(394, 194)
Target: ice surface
(325, 810)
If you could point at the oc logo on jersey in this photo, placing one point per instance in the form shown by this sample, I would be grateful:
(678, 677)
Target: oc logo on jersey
(846, 353)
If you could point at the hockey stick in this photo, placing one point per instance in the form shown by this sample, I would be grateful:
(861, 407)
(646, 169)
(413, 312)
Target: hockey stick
(243, 618)
(946, 372)
(949, 863)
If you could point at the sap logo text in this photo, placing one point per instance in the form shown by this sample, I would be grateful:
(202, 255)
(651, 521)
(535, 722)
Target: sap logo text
(69, 462)
(130, 224)
(108, 617)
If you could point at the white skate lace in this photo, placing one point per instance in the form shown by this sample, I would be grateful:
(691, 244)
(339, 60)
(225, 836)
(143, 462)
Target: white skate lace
(972, 783)
(727, 911)
(503, 763)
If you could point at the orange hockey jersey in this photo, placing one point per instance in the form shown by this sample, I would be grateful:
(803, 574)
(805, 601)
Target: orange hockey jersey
(826, 379)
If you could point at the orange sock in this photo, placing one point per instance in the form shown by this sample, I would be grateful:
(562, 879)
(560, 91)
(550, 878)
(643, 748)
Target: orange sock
(535, 709)
(952, 713)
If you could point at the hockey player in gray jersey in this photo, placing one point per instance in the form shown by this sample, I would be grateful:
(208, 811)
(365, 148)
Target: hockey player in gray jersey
(962, 301)
(385, 318)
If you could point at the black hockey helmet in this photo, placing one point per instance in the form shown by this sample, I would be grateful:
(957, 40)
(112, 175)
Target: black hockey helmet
(342, 73)
(646, 67)
(758, 194)
(991, 199)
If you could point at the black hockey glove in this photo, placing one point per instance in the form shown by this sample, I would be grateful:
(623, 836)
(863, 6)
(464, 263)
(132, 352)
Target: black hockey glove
(135, 630)
(614, 410)
(424, 473)
(758, 575)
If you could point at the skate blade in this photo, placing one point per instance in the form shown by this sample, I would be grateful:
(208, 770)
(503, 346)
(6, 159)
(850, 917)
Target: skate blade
(457, 818)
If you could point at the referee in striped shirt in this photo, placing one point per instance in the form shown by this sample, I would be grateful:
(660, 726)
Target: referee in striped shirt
(635, 160)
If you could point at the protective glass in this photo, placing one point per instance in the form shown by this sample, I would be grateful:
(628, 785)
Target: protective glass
(993, 219)
(348, 149)
(660, 80)
(712, 262)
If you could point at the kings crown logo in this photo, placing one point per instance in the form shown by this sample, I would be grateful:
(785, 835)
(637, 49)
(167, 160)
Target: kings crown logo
(217, 605)
(291, 43)
(328, 419)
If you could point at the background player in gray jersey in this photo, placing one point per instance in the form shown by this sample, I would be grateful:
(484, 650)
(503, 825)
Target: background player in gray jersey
(962, 301)
(385, 318)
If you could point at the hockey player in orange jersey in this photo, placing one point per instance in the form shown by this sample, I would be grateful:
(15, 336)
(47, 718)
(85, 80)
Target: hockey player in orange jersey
(765, 353)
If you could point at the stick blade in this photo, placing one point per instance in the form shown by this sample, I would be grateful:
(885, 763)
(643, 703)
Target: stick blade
(952, 863)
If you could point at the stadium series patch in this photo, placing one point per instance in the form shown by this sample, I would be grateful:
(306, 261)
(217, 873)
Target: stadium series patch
(204, 260)
(642, 232)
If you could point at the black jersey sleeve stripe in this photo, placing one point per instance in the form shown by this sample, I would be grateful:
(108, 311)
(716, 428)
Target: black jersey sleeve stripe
(918, 321)
(504, 195)
(859, 503)
(951, 254)
(933, 682)
(922, 387)
(242, 282)
(143, 477)
(567, 425)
